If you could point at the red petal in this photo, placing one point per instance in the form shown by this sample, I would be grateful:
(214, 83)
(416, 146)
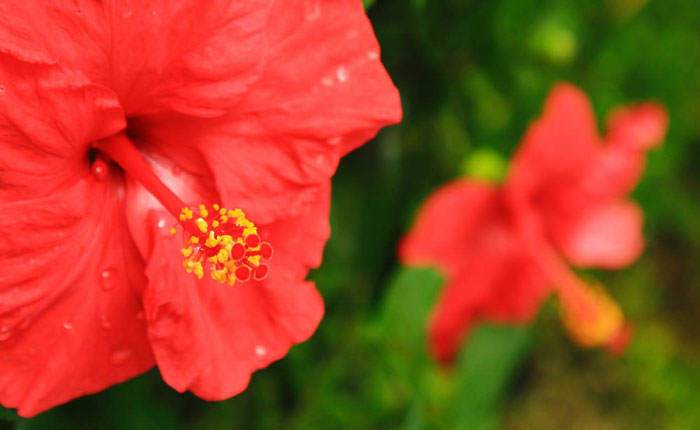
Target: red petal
(454, 314)
(69, 298)
(449, 225)
(48, 117)
(607, 236)
(324, 79)
(639, 127)
(66, 32)
(189, 56)
(555, 147)
(209, 338)
(498, 283)
(322, 93)
(620, 163)
(518, 292)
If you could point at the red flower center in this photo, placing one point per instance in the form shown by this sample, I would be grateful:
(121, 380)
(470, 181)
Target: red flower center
(222, 241)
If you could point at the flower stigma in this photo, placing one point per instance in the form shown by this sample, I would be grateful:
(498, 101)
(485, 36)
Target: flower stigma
(225, 242)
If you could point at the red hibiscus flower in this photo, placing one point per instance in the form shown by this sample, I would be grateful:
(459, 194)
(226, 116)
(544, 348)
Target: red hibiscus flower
(117, 120)
(503, 249)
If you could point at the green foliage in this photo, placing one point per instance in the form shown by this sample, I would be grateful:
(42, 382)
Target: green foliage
(7, 415)
(473, 74)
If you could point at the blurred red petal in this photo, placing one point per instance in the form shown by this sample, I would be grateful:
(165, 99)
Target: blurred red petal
(605, 236)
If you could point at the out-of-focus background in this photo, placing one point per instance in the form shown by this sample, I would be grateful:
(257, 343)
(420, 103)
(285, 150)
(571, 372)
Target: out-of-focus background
(472, 74)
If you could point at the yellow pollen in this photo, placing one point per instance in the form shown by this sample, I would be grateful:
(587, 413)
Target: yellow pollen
(225, 243)
(173, 231)
(202, 225)
(186, 214)
(212, 240)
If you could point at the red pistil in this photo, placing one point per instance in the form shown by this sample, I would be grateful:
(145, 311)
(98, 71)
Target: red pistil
(120, 149)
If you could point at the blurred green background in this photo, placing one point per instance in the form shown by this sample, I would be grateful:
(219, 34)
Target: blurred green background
(472, 75)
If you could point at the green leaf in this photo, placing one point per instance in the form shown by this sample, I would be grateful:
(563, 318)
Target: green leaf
(368, 3)
(8, 415)
(409, 300)
(484, 370)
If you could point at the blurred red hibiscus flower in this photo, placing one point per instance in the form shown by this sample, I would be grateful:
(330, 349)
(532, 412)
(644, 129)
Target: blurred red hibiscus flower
(503, 249)
(118, 118)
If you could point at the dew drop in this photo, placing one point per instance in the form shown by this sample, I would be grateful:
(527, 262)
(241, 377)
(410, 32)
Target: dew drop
(108, 279)
(161, 223)
(68, 325)
(313, 9)
(120, 356)
(100, 169)
(334, 140)
(342, 74)
(105, 323)
(260, 351)
(5, 333)
(373, 55)
(327, 81)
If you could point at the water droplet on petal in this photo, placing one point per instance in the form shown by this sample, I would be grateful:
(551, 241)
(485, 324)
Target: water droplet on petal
(161, 223)
(313, 9)
(108, 279)
(342, 74)
(334, 140)
(68, 325)
(120, 356)
(105, 323)
(260, 351)
(5, 333)
(99, 169)
(327, 81)
(373, 55)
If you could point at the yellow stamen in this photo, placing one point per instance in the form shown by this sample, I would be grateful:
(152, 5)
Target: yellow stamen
(229, 253)
(202, 225)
